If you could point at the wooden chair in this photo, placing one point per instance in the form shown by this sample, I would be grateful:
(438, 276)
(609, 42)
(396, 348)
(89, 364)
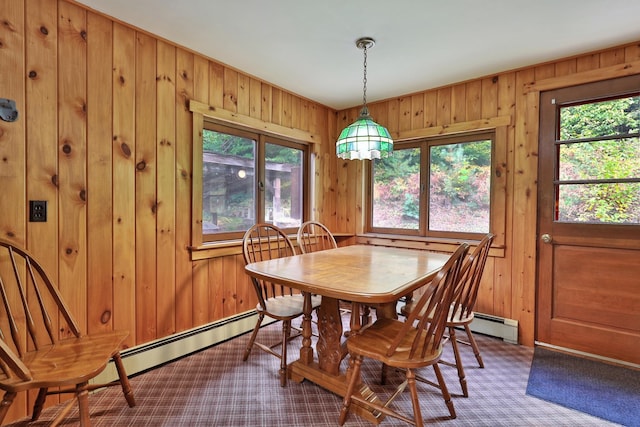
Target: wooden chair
(41, 346)
(263, 242)
(461, 312)
(314, 236)
(408, 345)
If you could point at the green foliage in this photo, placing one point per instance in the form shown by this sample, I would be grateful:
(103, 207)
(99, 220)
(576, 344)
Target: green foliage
(223, 143)
(605, 159)
(280, 154)
(613, 117)
(411, 208)
(459, 187)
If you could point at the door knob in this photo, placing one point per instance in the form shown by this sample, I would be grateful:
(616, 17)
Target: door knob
(546, 238)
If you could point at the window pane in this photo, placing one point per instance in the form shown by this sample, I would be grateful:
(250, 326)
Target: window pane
(616, 161)
(460, 187)
(611, 159)
(599, 203)
(283, 186)
(613, 117)
(228, 196)
(396, 190)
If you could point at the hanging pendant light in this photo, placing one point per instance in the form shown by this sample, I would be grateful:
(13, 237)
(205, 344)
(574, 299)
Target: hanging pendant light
(364, 138)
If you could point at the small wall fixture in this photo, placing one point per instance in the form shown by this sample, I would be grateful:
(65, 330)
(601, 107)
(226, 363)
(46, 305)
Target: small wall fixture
(364, 138)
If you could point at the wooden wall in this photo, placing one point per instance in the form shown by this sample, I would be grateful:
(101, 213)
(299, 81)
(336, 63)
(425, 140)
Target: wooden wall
(509, 281)
(104, 136)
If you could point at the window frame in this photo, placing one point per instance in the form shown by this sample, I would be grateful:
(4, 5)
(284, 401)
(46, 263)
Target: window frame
(201, 113)
(425, 145)
(559, 96)
(504, 132)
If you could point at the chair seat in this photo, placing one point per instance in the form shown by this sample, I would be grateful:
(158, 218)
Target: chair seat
(32, 355)
(453, 319)
(457, 319)
(374, 342)
(415, 343)
(68, 362)
(287, 307)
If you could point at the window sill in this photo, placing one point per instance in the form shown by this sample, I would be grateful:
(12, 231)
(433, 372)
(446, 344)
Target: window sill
(215, 249)
(234, 247)
(424, 243)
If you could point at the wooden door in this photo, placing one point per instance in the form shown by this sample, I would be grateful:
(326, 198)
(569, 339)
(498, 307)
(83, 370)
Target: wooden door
(589, 219)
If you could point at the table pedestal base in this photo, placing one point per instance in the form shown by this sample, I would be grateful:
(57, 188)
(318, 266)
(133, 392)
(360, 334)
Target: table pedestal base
(337, 384)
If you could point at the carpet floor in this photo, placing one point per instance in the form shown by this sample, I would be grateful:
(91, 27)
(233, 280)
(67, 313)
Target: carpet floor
(606, 391)
(215, 387)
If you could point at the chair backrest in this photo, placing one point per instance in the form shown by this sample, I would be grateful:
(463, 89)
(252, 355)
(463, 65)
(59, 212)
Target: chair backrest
(262, 242)
(471, 271)
(314, 236)
(33, 314)
(429, 317)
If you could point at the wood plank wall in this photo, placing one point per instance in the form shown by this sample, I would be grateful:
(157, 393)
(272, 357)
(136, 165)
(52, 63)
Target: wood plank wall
(104, 136)
(508, 288)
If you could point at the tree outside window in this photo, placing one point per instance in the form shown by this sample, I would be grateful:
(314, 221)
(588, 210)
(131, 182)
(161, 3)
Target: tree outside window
(598, 149)
(249, 178)
(434, 187)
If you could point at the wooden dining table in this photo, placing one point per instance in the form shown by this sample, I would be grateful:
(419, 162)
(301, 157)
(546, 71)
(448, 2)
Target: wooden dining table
(362, 274)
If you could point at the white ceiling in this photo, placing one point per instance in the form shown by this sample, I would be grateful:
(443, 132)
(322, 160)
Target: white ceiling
(308, 46)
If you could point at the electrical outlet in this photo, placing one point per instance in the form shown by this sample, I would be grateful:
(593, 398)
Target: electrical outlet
(37, 211)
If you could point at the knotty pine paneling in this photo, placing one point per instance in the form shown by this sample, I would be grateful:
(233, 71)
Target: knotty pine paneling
(41, 154)
(166, 189)
(509, 286)
(12, 149)
(100, 167)
(184, 148)
(105, 137)
(72, 163)
(124, 198)
(118, 224)
(146, 191)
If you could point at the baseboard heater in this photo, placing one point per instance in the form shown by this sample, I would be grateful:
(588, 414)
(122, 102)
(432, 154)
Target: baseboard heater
(157, 353)
(494, 326)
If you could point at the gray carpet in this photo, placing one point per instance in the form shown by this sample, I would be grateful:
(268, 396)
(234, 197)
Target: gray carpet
(215, 388)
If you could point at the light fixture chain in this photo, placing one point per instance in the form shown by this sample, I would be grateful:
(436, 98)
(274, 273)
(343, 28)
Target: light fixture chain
(364, 80)
(364, 138)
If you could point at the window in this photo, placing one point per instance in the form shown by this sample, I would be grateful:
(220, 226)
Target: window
(439, 187)
(598, 157)
(248, 177)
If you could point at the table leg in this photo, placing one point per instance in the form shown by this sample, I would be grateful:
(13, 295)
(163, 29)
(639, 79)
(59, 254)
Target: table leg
(329, 336)
(306, 351)
(355, 322)
(326, 372)
(386, 311)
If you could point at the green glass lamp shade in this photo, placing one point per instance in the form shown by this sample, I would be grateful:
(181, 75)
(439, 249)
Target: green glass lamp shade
(364, 139)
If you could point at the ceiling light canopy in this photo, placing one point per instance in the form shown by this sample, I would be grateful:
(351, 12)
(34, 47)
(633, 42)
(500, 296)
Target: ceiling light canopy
(364, 138)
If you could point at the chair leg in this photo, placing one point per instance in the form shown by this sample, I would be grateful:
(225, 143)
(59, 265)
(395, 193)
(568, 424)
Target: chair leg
(286, 332)
(253, 337)
(83, 404)
(7, 400)
(474, 346)
(39, 404)
(445, 391)
(366, 315)
(383, 374)
(124, 380)
(346, 403)
(459, 367)
(411, 382)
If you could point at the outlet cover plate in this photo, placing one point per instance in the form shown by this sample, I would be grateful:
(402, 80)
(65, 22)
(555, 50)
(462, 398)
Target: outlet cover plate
(37, 211)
